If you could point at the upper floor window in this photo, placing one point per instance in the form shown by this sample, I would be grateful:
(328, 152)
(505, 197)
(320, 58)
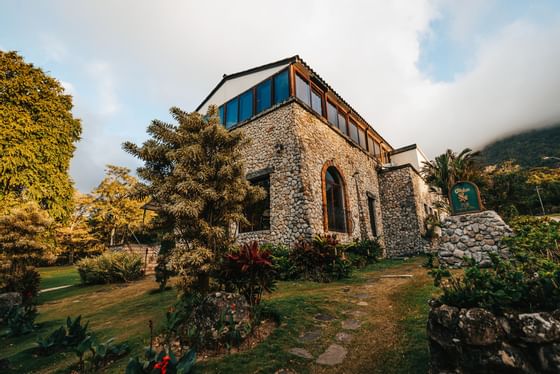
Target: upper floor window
(362, 137)
(332, 114)
(317, 102)
(353, 131)
(342, 123)
(245, 105)
(264, 95)
(281, 87)
(302, 90)
(221, 111)
(231, 112)
(334, 191)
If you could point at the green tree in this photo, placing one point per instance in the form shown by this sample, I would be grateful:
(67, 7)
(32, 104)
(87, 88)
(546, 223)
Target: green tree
(24, 235)
(449, 168)
(194, 173)
(115, 212)
(37, 136)
(75, 235)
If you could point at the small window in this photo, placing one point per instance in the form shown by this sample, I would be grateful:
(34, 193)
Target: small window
(332, 114)
(316, 102)
(353, 130)
(246, 106)
(302, 90)
(281, 87)
(362, 137)
(264, 95)
(342, 123)
(372, 221)
(258, 214)
(231, 113)
(221, 112)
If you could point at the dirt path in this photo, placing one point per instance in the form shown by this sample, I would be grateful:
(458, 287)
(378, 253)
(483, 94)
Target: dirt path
(372, 306)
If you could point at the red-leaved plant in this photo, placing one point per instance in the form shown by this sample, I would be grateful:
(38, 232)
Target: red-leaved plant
(250, 270)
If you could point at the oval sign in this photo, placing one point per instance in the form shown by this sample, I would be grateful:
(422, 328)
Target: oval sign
(465, 198)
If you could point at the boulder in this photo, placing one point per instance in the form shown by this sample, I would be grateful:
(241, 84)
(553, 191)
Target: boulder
(9, 300)
(479, 327)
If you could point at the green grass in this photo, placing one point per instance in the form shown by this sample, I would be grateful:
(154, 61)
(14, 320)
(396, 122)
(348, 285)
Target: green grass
(58, 276)
(123, 312)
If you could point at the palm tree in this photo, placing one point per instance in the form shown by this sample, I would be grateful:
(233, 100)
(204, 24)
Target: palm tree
(449, 168)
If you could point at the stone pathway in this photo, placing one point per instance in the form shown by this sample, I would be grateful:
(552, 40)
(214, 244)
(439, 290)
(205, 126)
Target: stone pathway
(369, 302)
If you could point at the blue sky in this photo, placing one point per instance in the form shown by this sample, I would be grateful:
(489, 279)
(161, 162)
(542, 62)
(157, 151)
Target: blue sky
(439, 73)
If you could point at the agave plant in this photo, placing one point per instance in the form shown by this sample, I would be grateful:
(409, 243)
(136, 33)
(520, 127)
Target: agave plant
(250, 270)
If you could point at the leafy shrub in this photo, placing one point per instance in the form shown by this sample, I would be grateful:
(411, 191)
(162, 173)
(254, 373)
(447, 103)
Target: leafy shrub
(364, 252)
(250, 271)
(100, 354)
(63, 337)
(284, 267)
(525, 283)
(540, 236)
(162, 362)
(111, 267)
(24, 280)
(321, 260)
(21, 320)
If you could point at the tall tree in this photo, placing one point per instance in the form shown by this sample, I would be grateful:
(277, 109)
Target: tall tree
(115, 212)
(37, 136)
(75, 235)
(194, 173)
(448, 168)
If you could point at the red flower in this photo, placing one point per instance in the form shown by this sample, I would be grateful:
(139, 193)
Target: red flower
(163, 365)
(232, 306)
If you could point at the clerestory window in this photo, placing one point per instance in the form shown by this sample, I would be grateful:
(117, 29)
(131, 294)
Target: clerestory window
(336, 211)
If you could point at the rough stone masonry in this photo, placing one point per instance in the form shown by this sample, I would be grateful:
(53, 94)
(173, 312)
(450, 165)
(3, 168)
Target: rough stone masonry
(473, 235)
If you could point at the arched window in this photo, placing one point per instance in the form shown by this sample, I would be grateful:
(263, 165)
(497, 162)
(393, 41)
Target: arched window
(334, 201)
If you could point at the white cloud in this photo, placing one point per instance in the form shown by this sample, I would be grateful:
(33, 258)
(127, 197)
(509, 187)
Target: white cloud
(156, 55)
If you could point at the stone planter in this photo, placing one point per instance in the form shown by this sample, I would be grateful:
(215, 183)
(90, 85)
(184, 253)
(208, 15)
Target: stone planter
(478, 341)
(474, 235)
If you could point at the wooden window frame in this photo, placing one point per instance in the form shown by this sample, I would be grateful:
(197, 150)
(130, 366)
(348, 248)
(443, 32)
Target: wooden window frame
(347, 217)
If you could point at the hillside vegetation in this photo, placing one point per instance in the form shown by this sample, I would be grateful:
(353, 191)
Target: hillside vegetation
(525, 149)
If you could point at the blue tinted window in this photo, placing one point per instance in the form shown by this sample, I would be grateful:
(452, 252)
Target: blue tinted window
(231, 113)
(264, 95)
(245, 105)
(221, 111)
(281, 87)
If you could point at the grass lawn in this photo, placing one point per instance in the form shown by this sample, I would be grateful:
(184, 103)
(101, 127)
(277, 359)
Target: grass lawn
(391, 339)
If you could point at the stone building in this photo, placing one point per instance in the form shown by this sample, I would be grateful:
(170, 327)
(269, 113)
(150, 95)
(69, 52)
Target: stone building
(326, 170)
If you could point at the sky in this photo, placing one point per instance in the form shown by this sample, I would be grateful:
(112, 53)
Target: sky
(439, 73)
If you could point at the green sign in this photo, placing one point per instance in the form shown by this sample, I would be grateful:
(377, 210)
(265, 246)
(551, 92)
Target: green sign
(465, 198)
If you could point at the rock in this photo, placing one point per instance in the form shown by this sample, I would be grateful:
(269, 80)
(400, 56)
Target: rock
(479, 327)
(310, 336)
(362, 303)
(323, 317)
(285, 371)
(300, 352)
(549, 357)
(361, 296)
(343, 337)
(458, 253)
(536, 327)
(9, 300)
(351, 324)
(445, 315)
(334, 355)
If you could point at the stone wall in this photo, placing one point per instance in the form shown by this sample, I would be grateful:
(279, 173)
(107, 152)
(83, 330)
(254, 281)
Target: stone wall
(478, 341)
(473, 235)
(403, 212)
(293, 145)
